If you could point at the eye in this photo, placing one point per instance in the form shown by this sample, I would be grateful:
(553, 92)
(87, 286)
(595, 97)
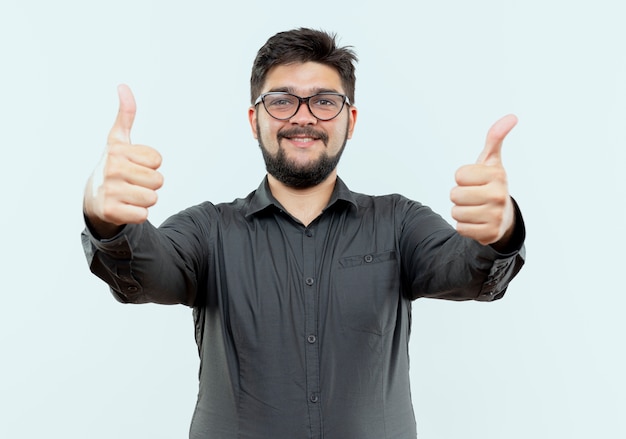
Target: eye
(279, 100)
(328, 101)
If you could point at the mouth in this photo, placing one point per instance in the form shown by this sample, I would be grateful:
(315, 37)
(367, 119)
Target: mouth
(302, 139)
(302, 136)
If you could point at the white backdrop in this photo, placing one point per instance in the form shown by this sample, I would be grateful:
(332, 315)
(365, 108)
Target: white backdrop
(547, 361)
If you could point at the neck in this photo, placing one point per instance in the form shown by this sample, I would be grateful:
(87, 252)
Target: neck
(304, 204)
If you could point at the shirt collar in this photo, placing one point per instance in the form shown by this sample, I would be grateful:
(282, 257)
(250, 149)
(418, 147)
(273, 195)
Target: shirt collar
(262, 198)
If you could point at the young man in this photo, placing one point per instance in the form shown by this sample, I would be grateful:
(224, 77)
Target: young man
(301, 291)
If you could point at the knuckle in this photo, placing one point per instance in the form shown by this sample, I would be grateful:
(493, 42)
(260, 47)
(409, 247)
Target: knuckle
(141, 215)
(460, 174)
(454, 212)
(147, 156)
(158, 180)
(498, 216)
(498, 174)
(116, 148)
(489, 235)
(499, 198)
(110, 213)
(463, 230)
(114, 167)
(110, 191)
(454, 194)
(151, 198)
(157, 158)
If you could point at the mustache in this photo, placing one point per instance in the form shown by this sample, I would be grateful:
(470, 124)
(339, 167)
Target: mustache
(303, 131)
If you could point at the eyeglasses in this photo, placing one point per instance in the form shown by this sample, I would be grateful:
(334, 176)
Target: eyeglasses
(283, 106)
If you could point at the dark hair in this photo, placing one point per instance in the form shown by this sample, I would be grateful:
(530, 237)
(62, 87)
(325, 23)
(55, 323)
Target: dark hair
(303, 45)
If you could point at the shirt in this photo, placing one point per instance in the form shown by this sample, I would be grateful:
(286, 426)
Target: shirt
(302, 331)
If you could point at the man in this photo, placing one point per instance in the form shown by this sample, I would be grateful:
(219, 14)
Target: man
(301, 291)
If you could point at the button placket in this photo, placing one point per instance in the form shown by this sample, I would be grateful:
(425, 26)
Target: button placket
(309, 268)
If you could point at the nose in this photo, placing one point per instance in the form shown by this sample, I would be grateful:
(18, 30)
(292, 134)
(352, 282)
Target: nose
(303, 116)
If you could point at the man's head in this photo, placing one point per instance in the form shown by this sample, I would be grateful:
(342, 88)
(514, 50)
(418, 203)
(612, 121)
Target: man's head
(300, 46)
(301, 114)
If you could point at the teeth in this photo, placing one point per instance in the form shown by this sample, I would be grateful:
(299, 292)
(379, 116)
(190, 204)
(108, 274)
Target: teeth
(303, 139)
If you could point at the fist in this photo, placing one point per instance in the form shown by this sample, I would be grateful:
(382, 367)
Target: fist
(123, 186)
(483, 207)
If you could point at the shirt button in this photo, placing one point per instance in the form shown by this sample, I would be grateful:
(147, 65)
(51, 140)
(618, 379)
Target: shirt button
(311, 339)
(310, 281)
(314, 398)
(131, 289)
(369, 258)
(308, 233)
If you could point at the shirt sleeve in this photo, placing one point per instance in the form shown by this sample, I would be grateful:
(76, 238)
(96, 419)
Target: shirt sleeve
(437, 262)
(144, 264)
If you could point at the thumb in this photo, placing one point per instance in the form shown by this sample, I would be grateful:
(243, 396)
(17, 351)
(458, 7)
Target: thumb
(491, 154)
(125, 116)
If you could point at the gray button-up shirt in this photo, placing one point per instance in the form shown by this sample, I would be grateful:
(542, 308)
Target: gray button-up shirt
(302, 331)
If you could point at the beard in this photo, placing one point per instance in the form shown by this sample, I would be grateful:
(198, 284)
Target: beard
(293, 174)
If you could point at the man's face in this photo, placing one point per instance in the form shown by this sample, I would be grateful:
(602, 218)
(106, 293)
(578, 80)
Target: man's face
(302, 151)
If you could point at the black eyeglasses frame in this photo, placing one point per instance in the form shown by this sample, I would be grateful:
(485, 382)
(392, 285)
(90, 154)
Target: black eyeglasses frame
(301, 100)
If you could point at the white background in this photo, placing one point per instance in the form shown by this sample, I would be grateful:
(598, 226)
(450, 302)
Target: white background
(547, 361)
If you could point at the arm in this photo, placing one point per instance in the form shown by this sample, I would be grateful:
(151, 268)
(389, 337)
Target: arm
(144, 264)
(140, 263)
(487, 251)
(438, 262)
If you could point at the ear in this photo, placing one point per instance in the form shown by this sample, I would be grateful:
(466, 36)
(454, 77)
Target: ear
(252, 119)
(352, 114)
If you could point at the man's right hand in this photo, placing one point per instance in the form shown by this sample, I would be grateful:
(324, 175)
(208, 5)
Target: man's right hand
(123, 186)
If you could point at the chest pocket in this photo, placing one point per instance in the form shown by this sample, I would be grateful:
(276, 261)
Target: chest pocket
(368, 291)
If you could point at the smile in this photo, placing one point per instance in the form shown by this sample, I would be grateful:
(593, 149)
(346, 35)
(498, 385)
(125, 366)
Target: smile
(302, 139)
(303, 135)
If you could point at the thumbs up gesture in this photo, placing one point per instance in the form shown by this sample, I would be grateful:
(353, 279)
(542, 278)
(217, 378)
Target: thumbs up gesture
(482, 207)
(123, 185)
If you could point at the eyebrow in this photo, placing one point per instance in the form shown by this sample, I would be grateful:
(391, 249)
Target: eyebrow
(314, 91)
